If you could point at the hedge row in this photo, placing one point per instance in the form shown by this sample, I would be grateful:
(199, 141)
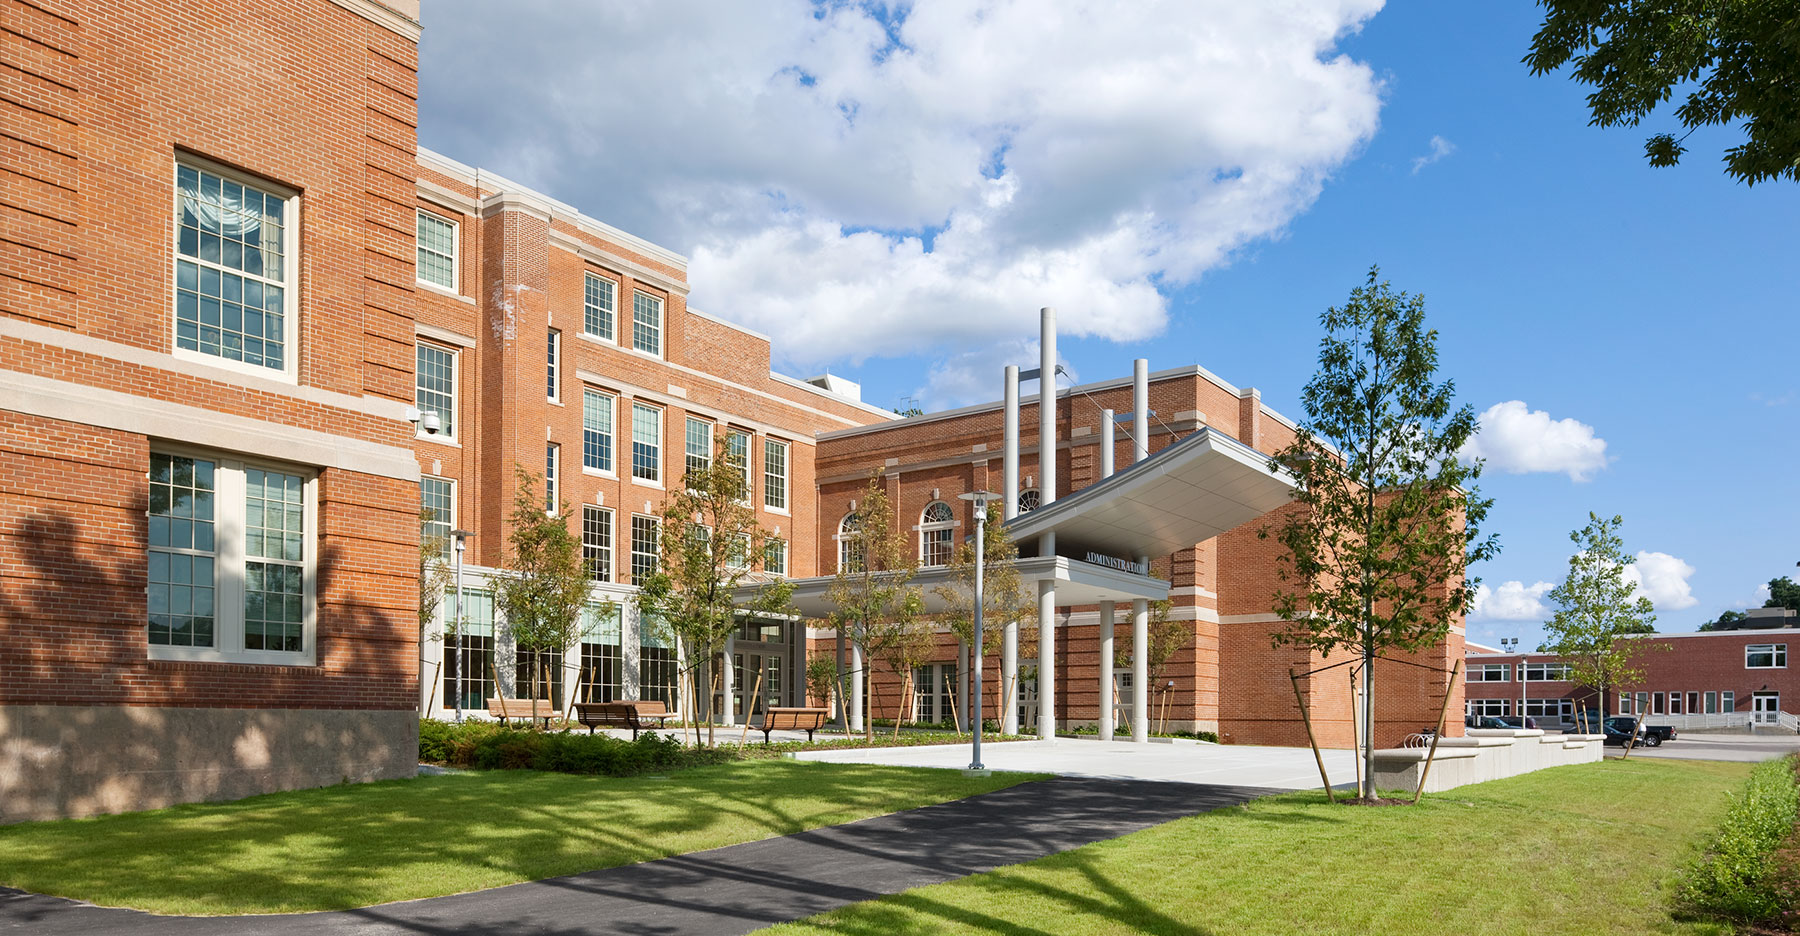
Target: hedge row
(493, 746)
(1742, 876)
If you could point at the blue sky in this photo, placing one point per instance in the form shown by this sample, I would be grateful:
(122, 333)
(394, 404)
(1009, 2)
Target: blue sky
(1653, 309)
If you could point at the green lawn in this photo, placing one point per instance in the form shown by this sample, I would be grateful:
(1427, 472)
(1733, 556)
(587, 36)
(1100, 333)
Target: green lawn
(351, 846)
(1590, 849)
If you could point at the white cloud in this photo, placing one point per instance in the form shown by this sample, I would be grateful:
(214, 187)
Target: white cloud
(1440, 148)
(866, 179)
(1663, 579)
(1512, 601)
(1519, 440)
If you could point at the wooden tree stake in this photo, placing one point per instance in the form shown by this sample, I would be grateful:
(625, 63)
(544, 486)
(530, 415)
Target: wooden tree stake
(1455, 670)
(1306, 719)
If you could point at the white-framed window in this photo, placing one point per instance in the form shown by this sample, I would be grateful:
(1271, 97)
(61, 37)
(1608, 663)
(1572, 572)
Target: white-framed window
(699, 445)
(644, 537)
(1712, 703)
(1544, 672)
(1765, 656)
(437, 250)
(1631, 703)
(1489, 672)
(775, 556)
(646, 442)
(1677, 703)
(737, 553)
(599, 304)
(775, 474)
(235, 269)
(1030, 500)
(552, 494)
(434, 390)
(1728, 701)
(853, 553)
(552, 389)
(646, 323)
(597, 430)
(937, 534)
(1494, 708)
(597, 541)
(1549, 708)
(737, 452)
(231, 560)
(437, 509)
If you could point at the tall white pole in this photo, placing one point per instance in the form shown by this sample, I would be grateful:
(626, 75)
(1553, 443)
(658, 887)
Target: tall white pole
(1009, 506)
(1046, 681)
(1106, 670)
(1140, 409)
(1109, 437)
(1140, 668)
(1047, 407)
(980, 536)
(457, 654)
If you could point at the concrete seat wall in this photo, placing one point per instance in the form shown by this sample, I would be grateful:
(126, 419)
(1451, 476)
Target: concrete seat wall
(1484, 754)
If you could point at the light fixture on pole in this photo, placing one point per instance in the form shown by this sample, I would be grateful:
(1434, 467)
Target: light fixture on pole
(457, 537)
(1509, 644)
(980, 500)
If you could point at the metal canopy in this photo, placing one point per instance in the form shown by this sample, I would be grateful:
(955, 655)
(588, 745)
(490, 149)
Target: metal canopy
(1077, 583)
(1187, 493)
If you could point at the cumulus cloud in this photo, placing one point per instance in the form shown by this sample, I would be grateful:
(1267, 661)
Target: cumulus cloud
(866, 179)
(1663, 579)
(1512, 601)
(1440, 148)
(1519, 440)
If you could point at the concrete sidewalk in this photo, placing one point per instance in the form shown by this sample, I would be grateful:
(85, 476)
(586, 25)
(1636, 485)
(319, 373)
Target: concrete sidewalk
(728, 890)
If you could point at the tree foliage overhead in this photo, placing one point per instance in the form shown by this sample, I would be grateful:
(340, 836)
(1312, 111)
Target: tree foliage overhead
(1737, 61)
(876, 603)
(1596, 605)
(546, 586)
(1784, 592)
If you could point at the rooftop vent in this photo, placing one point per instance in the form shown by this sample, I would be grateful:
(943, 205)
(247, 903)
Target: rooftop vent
(831, 383)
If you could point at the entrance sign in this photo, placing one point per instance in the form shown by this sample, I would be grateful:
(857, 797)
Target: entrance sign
(1114, 562)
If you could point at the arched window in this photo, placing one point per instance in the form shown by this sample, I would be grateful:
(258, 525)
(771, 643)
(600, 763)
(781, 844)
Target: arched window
(937, 534)
(1030, 500)
(853, 553)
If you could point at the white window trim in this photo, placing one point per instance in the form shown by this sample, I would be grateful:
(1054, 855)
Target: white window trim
(787, 471)
(228, 565)
(1774, 649)
(632, 550)
(712, 434)
(450, 481)
(926, 527)
(455, 288)
(290, 251)
(446, 437)
(617, 288)
(552, 482)
(662, 429)
(612, 548)
(553, 366)
(587, 388)
(662, 331)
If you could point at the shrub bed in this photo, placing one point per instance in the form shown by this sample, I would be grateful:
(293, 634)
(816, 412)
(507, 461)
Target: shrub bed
(493, 746)
(1742, 876)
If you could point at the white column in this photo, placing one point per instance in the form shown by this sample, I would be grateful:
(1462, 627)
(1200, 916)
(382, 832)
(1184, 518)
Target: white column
(856, 688)
(1106, 669)
(1047, 409)
(1009, 679)
(1108, 439)
(1140, 670)
(1009, 503)
(962, 682)
(1140, 409)
(838, 706)
(1047, 659)
(631, 653)
(727, 682)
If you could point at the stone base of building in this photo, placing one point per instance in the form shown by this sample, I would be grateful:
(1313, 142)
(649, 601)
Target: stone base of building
(63, 761)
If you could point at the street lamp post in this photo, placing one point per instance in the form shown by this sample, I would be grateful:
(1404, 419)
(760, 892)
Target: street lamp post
(980, 500)
(1509, 644)
(457, 538)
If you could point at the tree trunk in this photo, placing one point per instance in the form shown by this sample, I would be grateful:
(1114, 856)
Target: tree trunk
(868, 676)
(1368, 714)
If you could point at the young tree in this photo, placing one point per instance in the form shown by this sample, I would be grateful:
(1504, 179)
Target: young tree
(873, 593)
(1003, 594)
(1167, 638)
(1596, 606)
(547, 585)
(434, 578)
(909, 646)
(706, 578)
(1387, 519)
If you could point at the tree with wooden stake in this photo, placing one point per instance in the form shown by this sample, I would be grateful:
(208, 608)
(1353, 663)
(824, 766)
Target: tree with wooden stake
(908, 648)
(1597, 608)
(706, 579)
(1386, 519)
(872, 593)
(1438, 732)
(1003, 594)
(434, 580)
(1167, 638)
(546, 585)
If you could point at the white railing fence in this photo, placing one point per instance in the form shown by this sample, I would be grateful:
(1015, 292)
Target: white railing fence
(1790, 722)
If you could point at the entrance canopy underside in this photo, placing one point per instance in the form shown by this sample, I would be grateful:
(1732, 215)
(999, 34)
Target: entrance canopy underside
(1076, 582)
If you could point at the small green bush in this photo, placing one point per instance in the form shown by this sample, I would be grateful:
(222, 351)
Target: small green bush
(486, 745)
(1739, 878)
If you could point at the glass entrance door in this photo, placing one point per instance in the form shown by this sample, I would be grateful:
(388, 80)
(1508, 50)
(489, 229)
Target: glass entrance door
(746, 666)
(1765, 708)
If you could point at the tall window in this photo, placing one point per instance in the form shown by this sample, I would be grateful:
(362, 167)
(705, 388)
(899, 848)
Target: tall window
(1765, 656)
(555, 363)
(552, 495)
(937, 533)
(437, 510)
(229, 561)
(599, 299)
(775, 556)
(602, 667)
(934, 693)
(699, 445)
(737, 453)
(643, 547)
(597, 542)
(437, 251)
(471, 652)
(775, 471)
(656, 662)
(853, 553)
(646, 442)
(597, 430)
(646, 323)
(233, 273)
(435, 390)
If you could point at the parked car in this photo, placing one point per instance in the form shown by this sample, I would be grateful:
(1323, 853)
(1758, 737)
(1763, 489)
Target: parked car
(1512, 721)
(1653, 734)
(1483, 721)
(1616, 732)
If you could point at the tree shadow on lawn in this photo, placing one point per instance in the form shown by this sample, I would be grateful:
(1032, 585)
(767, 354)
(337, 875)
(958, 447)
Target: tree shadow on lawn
(352, 846)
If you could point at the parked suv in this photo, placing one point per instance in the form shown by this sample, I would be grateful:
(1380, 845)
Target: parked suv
(1652, 735)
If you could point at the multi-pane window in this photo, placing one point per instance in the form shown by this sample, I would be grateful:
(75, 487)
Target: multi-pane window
(228, 559)
(437, 510)
(656, 661)
(1549, 708)
(646, 442)
(554, 365)
(552, 496)
(737, 454)
(775, 473)
(853, 553)
(469, 660)
(435, 385)
(1492, 708)
(646, 323)
(699, 446)
(599, 299)
(937, 533)
(1029, 500)
(1542, 672)
(1488, 672)
(232, 271)
(437, 250)
(1765, 656)
(737, 551)
(775, 556)
(602, 665)
(1728, 701)
(644, 532)
(933, 693)
(597, 542)
(537, 674)
(597, 430)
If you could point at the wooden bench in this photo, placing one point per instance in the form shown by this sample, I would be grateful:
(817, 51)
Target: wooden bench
(505, 709)
(633, 715)
(808, 720)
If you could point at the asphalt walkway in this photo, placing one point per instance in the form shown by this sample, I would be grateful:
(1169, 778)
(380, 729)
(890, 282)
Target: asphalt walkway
(735, 889)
